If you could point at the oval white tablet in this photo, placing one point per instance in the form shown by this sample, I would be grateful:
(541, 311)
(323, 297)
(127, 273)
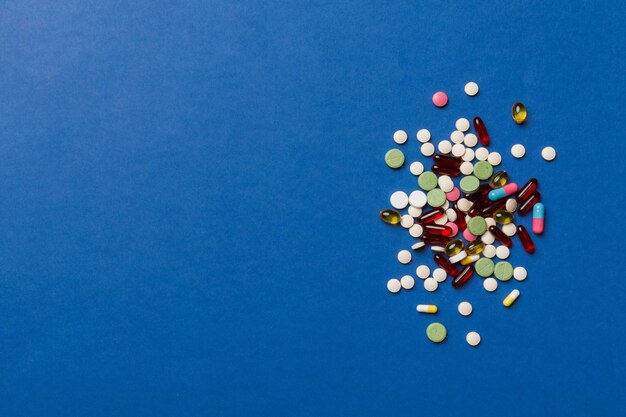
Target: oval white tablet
(416, 230)
(399, 200)
(418, 199)
(451, 214)
(422, 271)
(502, 252)
(520, 273)
(511, 205)
(407, 221)
(423, 135)
(393, 285)
(490, 284)
(416, 168)
(548, 153)
(465, 308)
(407, 282)
(444, 147)
(404, 256)
(470, 140)
(481, 154)
(400, 137)
(494, 158)
(440, 275)
(437, 248)
(518, 150)
(430, 284)
(427, 149)
(471, 89)
(462, 124)
(472, 338)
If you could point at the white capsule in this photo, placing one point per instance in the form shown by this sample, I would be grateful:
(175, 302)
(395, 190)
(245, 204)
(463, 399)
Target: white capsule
(511, 298)
(426, 308)
(423, 135)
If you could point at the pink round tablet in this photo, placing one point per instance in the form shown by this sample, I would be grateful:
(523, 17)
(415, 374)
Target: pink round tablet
(454, 227)
(454, 194)
(440, 99)
(468, 235)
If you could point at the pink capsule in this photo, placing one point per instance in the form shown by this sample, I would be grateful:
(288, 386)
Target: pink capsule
(502, 192)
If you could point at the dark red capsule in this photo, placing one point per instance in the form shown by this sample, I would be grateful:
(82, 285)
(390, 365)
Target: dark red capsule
(446, 264)
(526, 190)
(438, 240)
(460, 218)
(481, 130)
(527, 205)
(477, 207)
(500, 236)
(450, 171)
(493, 207)
(431, 216)
(463, 277)
(483, 190)
(447, 161)
(437, 229)
(524, 237)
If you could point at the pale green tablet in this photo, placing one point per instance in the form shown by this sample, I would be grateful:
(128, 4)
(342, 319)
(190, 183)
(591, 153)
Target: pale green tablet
(484, 267)
(469, 184)
(477, 226)
(503, 271)
(436, 332)
(436, 197)
(427, 180)
(394, 158)
(483, 170)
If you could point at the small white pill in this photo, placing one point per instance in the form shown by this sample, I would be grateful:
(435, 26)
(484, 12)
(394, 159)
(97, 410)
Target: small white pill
(430, 284)
(481, 154)
(446, 205)
(466, 168)
(471, 89)
(444, 147)
(407, 282)
(400, 137)
(423, 135)
(404, 256)
(490, 221)
(422, 271)
(489, 251)
(458, 257)
(462, 124)
(472, 338)
(451, 213)
(437, 248)
(457, 136)
(440, 275)
(511, 205)
(442, 220)
(502, 252)
(458, 150)
(468, 156)
(488, 238)
(470, 140)
(417, 199)
(464, 204)
(427, 149)
(414, 211)
(399, 200)
(407, 221)
(393, 285)
(509, 229)
(416, 230)
(494, 158)
(445, 183)
(548, 153)
(518, 150)
(418, 245)
(520, 273)
(416, 168)
(465, 308)
(490, 284)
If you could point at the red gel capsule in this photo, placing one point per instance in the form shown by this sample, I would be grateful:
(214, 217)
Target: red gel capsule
(460, 218)
(481, 130)
(438, 240)
(446, 264)
(527, 205)
(450, 171)
(482, 192)
(524, 237)
(440, 230)
(463, 277)
(431, 216)
(528, 188)
(447, 161)
(477, 207)
(500, 236)
(493, 207)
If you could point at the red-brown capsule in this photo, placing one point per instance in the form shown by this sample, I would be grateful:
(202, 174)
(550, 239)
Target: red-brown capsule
(477, 207)
(446, 264)
(447, 161)
(483, 190)
(438, 240)
(463, 277)
(524, 237)
(481, 130)
(450, 171)
(431, 216)
(436, 229)
(527, 205)
(500, 236)
(493, 207)
(528, 188)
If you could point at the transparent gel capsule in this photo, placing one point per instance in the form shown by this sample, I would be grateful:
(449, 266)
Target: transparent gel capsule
(453, 247)
(475, 248)
(390, 216)
(519, 113)
(498, 179)
(503, 217)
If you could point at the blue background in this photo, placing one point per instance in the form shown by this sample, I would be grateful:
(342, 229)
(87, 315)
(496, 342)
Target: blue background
(190, 194)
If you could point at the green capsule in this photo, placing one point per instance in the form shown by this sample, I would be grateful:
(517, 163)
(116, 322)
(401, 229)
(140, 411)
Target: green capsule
(475, 247)
(498, 179)
(503, 217)
(390, 216)
(453, 247)
(519, 113)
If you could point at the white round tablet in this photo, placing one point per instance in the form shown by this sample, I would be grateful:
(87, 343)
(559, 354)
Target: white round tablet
(407, 221)
(465, 308)
(439, 274)
(416, 230)
(393, 285)
(451, 214)
(414, 211)
(446, 204)
(488, 238)
(494, 158)
(481, 154)
(468, 156)
(418, 199)
(511, 205)
(489, 251)
(444, 147)
(445, 183)
(407, 282)
(490, 284)
(458, 150)
(416, 168)
(509, 229)
(548, 153)
(423, 135)
(464, 205)
(462, 124)
(470, 140)
(404, 256)
(472, 338)
(518, 150)
(471, 89)
(430, 284)
(490, 221)
(442, 220)
(427, 149)
(457, 136)
(502, 252)
(422, 271)
(466, 168)
(400, 137)
(520, 273)
(399, 200)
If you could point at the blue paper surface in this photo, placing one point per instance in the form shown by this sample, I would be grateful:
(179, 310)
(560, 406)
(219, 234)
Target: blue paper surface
(190, 197)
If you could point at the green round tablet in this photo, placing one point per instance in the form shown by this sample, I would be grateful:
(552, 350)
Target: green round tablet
(484, 267)
(477, 226)
(427, 180)
(394, 158)
(469, 184)
(483, 170)
(503, 271)
(436, 197)
(436, 332)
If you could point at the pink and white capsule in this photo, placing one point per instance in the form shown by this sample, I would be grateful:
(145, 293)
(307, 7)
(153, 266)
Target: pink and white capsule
(538, 218)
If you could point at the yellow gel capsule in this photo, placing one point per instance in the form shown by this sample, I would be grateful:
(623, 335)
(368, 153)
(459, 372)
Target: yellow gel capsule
(511, 298)
(453, 247)
(475, 247)
(390, 216)
(503, 217)
(498, 179)
(470, 259)
(519, 113)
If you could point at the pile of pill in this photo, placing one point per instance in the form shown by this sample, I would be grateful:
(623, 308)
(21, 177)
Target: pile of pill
(466, 211)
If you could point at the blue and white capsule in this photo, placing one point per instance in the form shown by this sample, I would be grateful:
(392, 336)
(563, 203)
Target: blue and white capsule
(539, 213)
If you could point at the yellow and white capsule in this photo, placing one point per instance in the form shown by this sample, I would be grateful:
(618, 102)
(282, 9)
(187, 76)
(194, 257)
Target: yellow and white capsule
(426, 308)
(470, 259)
(510, 299)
